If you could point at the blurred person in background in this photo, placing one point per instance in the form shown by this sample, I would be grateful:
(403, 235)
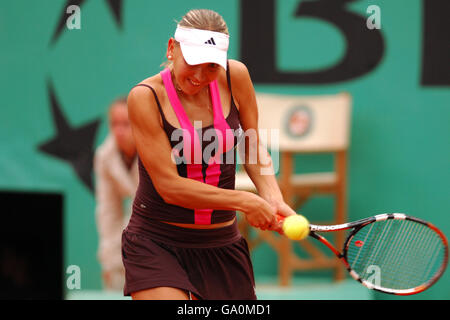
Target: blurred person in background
(116, 172)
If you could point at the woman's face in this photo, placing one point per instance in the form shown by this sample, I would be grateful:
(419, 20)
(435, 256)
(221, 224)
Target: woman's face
(191, 79)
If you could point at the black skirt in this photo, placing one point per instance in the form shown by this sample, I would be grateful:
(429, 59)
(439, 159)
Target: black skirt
(213, 264)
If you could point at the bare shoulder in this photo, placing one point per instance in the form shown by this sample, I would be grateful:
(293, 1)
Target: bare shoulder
(240, 76)
(140, 91)
(237, 69)
(241, 83)
(141, 101)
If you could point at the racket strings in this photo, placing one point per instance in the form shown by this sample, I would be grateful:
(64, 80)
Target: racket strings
(417, 249)
(397, 254)
(359, 251)
(408, 253)
(373, 258)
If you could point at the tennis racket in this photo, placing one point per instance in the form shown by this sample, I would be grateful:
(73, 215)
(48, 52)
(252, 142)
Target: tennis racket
(392, 253)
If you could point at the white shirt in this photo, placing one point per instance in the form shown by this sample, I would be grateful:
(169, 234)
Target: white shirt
(114, 184)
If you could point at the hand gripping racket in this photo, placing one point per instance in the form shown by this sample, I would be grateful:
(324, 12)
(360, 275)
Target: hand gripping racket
(392, 253)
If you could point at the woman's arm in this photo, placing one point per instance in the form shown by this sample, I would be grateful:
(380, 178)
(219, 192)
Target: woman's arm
(259, 169)
(155, 152)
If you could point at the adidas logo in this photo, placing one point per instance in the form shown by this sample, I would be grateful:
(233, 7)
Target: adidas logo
(210, 41)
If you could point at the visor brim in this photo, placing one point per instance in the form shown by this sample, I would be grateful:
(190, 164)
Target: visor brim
(194, 54)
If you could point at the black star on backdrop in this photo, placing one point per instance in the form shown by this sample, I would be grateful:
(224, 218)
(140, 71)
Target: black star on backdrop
(114, 5)
(73, 145)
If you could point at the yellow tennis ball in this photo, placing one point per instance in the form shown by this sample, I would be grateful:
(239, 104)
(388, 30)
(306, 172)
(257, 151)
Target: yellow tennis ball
(296, 227)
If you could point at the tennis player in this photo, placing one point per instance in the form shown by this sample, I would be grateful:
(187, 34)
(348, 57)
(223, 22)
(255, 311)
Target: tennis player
(182, 241)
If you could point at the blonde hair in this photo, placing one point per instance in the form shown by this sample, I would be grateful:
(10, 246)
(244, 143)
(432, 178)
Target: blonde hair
(203, 19)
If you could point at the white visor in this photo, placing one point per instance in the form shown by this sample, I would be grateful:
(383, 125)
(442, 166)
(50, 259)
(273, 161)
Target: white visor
(203, 46)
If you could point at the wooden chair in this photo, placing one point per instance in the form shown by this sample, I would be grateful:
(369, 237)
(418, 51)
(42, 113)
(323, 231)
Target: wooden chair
(306, 124)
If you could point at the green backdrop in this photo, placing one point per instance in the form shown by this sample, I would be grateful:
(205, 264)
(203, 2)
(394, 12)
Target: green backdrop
(400, 136)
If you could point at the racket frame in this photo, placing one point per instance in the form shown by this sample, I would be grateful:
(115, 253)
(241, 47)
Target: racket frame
(356, 226)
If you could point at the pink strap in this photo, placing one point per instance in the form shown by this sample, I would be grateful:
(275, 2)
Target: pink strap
(174, 101)
(190, 136)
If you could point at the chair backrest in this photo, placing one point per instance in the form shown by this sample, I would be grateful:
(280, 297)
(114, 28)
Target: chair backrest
(305, 123)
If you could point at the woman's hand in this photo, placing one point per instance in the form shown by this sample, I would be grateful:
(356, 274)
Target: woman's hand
(281, 208)
(261, 213)
(258, 212)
